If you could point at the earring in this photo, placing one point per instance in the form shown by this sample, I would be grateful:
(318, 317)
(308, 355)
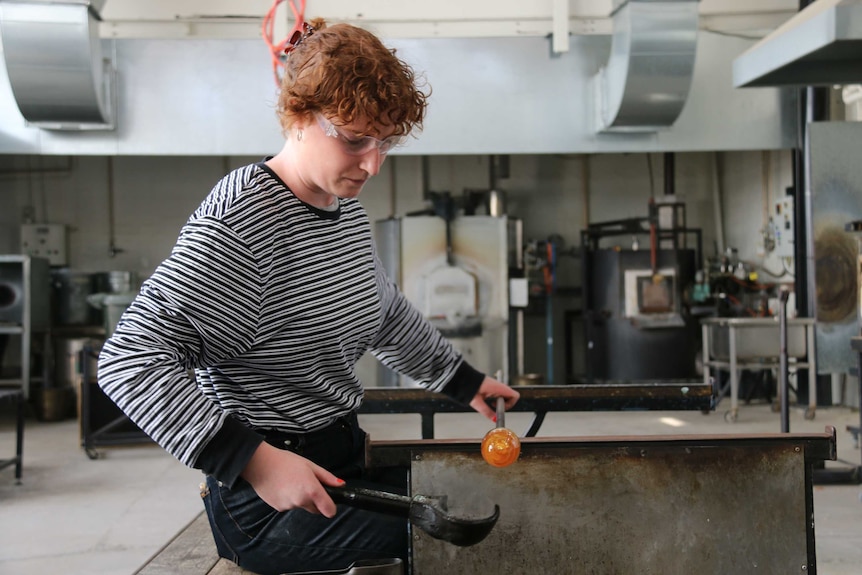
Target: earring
(299, 135)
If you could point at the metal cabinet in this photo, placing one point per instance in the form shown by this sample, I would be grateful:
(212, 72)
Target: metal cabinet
(24, 311)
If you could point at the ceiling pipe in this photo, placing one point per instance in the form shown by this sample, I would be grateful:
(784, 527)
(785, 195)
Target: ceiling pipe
(669, 174)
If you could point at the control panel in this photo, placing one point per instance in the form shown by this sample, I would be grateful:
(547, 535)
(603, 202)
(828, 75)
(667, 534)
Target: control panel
(783, 230)
(46, 241)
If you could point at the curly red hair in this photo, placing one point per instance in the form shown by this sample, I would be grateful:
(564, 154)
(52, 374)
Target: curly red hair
(346, 72)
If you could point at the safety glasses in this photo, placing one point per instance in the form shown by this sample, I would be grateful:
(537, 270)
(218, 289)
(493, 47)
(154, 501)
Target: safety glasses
(357, 145)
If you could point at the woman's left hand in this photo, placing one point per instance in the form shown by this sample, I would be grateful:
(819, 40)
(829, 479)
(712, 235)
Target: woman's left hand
(491, 388)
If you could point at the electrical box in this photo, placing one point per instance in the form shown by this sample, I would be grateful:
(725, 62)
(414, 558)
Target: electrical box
(46, 241)
(783, 230)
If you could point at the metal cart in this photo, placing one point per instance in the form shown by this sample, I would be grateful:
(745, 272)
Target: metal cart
(102, 422)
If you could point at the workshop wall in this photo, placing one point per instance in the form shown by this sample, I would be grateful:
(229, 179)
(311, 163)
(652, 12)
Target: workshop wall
(153, 196)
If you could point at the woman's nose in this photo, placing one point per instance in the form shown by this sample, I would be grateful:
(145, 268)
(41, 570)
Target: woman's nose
(372, 160)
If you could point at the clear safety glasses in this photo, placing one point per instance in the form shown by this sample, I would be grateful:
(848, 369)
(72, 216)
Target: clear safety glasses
(357, 145)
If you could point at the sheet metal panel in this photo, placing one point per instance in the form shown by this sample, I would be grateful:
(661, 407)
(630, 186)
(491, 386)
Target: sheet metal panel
(649, 507)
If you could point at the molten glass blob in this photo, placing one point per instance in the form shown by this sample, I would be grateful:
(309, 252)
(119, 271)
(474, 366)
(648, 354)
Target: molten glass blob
(501, 447)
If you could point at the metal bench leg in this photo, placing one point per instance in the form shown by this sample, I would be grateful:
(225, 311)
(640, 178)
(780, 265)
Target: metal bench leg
(19, 440)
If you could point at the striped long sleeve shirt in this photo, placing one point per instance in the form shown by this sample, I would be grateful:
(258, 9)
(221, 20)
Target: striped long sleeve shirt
(271, 302)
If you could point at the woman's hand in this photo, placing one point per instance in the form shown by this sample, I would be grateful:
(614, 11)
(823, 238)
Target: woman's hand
(491, 388)
(285, 480)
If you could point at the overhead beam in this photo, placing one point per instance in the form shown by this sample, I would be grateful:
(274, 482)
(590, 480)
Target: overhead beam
(444, 18)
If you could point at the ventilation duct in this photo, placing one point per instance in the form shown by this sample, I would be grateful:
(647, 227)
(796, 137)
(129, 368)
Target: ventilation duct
(54, 61)
(645, 84)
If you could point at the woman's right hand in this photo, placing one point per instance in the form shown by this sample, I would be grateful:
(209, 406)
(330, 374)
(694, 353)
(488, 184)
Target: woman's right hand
(285, 480)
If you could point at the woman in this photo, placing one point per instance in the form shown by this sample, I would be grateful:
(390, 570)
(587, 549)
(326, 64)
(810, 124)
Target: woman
(271, 294)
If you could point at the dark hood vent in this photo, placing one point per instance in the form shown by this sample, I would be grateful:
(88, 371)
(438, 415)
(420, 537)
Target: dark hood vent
(821, 45)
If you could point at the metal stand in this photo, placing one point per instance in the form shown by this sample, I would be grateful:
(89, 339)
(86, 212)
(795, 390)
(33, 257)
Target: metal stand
(18, 396)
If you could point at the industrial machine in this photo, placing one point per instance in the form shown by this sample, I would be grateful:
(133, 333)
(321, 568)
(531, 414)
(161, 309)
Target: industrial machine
(638, 320)
(455, 269)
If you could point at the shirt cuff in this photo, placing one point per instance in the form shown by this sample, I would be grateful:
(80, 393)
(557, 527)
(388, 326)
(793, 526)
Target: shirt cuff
(464, 384)
(227, 454)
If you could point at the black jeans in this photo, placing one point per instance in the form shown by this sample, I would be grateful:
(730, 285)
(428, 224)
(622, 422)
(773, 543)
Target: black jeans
(265, 541)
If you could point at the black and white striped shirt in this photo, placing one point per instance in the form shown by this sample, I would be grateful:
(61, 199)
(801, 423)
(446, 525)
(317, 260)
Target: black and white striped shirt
(271, 302)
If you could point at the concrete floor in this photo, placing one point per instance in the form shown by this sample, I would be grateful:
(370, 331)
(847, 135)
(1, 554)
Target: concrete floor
(74, 515)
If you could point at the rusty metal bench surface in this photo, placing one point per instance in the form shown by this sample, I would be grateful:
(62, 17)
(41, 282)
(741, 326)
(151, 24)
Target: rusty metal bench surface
(669, 505)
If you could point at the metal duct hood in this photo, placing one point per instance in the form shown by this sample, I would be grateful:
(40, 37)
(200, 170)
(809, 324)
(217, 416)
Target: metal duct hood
(645, 84)
(54, 61)
(821, 45)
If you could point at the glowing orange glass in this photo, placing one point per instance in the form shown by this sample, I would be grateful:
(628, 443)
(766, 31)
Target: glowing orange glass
(501, 447)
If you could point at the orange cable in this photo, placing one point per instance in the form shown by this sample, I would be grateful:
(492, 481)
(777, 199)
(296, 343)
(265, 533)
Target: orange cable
(268, 30)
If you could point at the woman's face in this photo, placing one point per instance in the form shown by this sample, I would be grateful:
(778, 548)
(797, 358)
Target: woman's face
(332, 161)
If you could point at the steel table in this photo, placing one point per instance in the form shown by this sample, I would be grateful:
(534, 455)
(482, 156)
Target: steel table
(753, 343)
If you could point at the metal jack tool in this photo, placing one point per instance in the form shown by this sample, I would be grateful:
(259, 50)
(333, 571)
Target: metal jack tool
(427, 513)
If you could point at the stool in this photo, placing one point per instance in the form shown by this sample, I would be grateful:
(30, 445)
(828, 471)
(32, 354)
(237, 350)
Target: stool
(16, 394)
